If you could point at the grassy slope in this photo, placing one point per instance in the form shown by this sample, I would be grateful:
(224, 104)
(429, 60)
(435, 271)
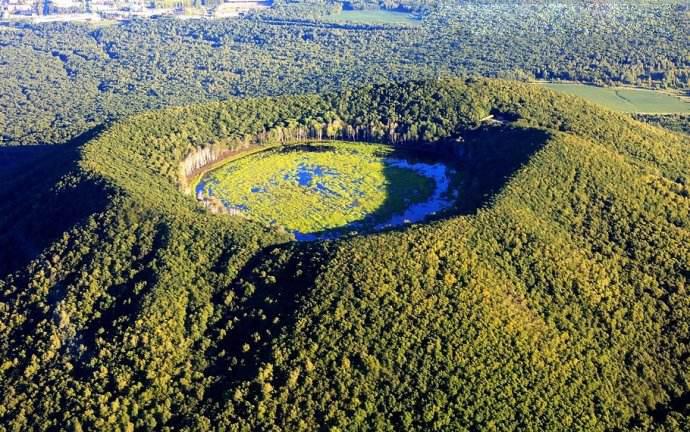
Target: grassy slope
(562, 303)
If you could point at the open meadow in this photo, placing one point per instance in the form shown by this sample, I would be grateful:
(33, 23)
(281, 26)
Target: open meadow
(373, 17)
(625, 99)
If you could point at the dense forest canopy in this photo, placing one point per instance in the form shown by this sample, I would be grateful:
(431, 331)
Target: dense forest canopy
(678, 123)
(553, 296)
(559, 301)
(59, 80)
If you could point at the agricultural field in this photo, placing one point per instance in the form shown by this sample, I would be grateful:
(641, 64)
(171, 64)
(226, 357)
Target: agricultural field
(373, 17)
(626, 99)
(322, 190)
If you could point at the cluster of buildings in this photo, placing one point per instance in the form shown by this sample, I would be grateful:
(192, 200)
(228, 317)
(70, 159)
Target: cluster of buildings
(17, 7)
(86, 10)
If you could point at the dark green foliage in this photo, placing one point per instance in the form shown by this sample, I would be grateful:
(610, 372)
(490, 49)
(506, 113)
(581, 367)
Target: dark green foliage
(560, 303)
(674, 122)
(41, 196)
(59, 80)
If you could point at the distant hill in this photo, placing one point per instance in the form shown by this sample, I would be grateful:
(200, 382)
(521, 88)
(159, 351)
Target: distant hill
(558, 300)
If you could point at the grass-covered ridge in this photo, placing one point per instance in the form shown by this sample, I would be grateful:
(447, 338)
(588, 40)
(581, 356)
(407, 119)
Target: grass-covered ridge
(557, 299)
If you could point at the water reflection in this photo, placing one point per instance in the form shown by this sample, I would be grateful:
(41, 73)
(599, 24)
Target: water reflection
(437, 202)
(313, 179)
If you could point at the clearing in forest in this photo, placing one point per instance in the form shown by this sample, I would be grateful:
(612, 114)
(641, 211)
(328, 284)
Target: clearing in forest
(626, 99)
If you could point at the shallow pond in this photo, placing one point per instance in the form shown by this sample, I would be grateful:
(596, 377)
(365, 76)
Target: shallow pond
(325, 190)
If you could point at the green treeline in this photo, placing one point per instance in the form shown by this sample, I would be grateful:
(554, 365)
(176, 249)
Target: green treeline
(59, 80)
(675, 122)
(560, 302)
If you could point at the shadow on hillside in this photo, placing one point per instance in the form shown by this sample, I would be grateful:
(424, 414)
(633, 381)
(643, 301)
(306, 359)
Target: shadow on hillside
(264, 299)
(34, 209)
(679, 404)
(486, 158)
(489, 157)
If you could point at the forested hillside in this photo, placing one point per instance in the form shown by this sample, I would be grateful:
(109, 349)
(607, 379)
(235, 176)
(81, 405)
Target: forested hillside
(678, 123)
(558, 300)
(60, 80)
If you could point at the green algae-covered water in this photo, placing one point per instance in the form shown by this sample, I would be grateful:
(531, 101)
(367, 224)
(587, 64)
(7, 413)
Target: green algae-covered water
(325, 190)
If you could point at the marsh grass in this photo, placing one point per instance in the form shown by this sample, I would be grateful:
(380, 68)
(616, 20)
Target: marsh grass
(320, 187)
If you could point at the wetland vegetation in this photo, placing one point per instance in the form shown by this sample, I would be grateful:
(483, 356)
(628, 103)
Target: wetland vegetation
(560, 280)
(322, 190)
(554, 293)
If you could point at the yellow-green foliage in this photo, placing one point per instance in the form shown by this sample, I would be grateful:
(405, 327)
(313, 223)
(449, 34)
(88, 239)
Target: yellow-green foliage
(355, 183)
(560, 303)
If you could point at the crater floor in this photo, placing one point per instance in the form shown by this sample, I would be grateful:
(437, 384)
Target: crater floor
(327, 189)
